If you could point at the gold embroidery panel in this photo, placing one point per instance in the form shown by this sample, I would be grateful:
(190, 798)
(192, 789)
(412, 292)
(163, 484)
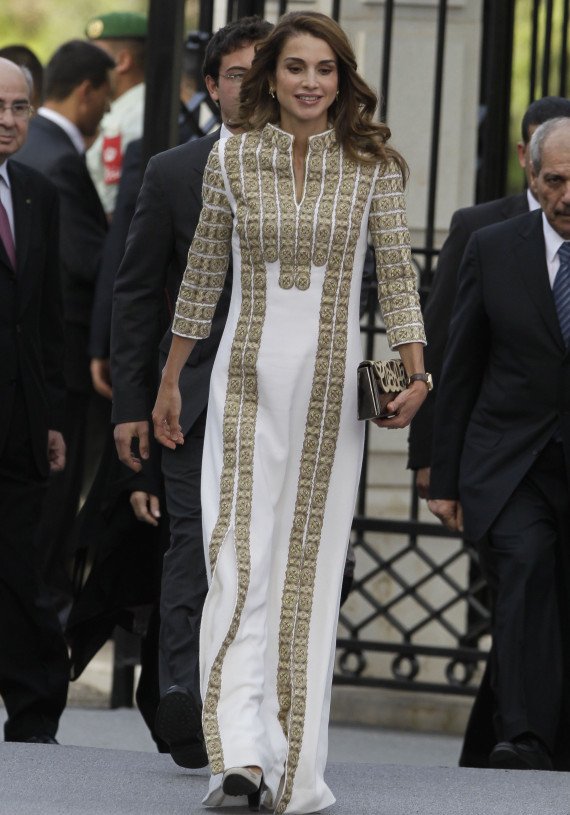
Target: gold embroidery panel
(236, 483)
(323, 420)
(397, 284)
(265, 231)
(208, 258)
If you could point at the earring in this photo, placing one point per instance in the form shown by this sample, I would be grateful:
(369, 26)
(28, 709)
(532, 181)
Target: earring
(337, 95)
(271, 92)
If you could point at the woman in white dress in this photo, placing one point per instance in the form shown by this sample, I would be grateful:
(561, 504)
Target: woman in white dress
(293, 199)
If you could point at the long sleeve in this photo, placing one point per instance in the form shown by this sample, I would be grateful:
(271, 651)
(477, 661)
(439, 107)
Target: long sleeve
(114, 250)
(51, 324)
(208, 258)
(466, 357)
(397, 279)
(137, 320)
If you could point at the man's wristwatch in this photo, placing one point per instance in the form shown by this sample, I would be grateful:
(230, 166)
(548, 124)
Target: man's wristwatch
(425, 378)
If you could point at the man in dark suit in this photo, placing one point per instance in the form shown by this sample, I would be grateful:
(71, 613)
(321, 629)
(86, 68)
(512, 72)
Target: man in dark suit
(77, 93)
(442, 295)
(437, 316)
(501, 458)
(33, 656)
(145, 291)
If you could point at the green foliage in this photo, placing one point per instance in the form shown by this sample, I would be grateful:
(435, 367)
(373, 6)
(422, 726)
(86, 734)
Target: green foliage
(521, 77)
(43, 25)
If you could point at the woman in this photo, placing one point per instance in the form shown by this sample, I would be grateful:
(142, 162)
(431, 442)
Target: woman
(293, 198)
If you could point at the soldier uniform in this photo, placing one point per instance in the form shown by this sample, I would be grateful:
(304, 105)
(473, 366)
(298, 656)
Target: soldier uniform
(124, 122)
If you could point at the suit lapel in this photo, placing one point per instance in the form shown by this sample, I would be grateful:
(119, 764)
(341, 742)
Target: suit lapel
(23, 211)
(530, 254)
(22, 202)
(4, 262)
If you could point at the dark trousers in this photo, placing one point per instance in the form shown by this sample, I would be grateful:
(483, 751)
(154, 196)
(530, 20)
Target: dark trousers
(87, 422)
(525, 561)
(184, 581)
(34, 670)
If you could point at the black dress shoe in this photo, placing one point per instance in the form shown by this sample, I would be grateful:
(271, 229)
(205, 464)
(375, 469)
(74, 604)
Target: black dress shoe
(524, 753)
(40, 738)
(179, 724)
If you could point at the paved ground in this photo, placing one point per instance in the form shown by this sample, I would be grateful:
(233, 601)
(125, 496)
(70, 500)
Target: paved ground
(107, 765)
(46, 780)
(124, 729)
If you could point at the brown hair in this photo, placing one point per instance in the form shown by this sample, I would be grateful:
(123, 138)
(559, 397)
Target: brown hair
(351, 113)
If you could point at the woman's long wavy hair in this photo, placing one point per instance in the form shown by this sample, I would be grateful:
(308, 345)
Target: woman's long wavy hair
(351, 114)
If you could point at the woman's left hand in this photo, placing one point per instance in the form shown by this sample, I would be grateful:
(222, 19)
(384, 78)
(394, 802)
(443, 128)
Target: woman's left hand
(405, 406)
(166, 415)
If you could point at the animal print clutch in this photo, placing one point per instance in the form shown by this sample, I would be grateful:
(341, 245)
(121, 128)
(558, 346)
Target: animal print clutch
(379, 382)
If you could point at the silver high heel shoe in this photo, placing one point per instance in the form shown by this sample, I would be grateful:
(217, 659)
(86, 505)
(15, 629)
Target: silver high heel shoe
(243, 781)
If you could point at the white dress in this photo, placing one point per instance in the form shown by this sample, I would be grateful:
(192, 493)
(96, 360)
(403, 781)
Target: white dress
(283, 446)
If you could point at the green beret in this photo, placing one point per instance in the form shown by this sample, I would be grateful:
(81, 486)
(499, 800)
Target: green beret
(118, 25)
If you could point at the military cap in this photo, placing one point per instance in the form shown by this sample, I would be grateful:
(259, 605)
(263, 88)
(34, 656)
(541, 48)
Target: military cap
(117, 25)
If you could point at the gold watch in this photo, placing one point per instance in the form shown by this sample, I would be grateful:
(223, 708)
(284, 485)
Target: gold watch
(425, 378)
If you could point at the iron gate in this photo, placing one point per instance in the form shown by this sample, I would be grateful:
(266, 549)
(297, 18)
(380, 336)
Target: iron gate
(420, 626)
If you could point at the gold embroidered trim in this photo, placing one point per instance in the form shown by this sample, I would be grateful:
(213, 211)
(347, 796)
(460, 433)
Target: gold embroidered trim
(270, 227)
(397, 286)
(208, 258)
(236, 486)
(317, 459)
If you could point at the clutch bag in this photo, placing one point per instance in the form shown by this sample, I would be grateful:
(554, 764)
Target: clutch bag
(378, 383)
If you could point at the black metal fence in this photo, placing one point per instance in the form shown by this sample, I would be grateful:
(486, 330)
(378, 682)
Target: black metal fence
(419, 607)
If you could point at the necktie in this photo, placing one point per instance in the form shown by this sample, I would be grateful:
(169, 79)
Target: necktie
(6, 236)
(561, 291)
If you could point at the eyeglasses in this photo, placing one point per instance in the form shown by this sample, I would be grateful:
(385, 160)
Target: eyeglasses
(20, 110)
(234, 77)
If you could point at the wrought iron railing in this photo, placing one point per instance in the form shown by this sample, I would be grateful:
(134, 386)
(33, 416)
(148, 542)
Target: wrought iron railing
(419, 607)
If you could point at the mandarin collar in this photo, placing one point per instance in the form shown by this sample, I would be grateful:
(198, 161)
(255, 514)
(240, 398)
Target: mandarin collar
(284, 141)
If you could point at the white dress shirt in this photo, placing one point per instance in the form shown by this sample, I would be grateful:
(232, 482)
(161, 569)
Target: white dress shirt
(532, 202)
(553, 242)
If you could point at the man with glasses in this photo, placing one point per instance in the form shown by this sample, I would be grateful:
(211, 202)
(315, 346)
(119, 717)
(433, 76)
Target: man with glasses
(33, 656)
(147, 284)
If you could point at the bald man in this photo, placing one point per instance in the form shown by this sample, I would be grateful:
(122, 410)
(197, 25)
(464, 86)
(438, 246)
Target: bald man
(33, 656)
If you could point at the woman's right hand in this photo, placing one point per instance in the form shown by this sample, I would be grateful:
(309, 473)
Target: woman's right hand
(166, 415)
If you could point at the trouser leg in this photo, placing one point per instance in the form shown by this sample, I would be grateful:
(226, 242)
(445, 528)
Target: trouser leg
(184, 581)
(147, 693)
(86, 429)
(521, 558)
(34, 666)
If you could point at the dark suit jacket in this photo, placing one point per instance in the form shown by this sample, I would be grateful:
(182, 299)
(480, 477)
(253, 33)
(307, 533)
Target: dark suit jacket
(114, 249)
(83, 227)
(440, 304)
(31, 331)
(162, 229)
(505, 385)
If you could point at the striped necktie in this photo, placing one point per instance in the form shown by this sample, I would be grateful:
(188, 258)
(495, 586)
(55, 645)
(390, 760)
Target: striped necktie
(561, 291)
(6, 236)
